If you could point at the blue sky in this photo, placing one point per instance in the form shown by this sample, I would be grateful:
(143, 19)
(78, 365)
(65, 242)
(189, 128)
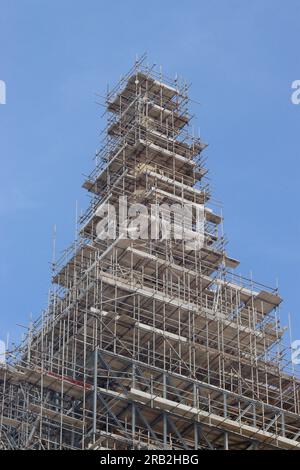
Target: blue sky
(241, 58)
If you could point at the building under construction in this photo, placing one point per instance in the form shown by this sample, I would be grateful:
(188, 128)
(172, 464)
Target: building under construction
(150, 343)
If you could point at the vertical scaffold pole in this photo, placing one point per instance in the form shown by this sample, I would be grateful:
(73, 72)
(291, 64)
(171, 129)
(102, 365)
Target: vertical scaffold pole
(95, 394)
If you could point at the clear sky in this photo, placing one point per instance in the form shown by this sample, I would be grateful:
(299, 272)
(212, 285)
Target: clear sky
(240, 57)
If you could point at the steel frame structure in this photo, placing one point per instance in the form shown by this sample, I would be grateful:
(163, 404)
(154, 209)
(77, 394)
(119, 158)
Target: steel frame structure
(147, 344)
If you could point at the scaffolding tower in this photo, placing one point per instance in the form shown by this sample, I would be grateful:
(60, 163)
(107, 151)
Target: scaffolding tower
(147, 343)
